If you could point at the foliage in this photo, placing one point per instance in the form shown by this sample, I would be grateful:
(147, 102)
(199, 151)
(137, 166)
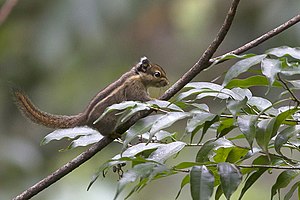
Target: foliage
(268, 126)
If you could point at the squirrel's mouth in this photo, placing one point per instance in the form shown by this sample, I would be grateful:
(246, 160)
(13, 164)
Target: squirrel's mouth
(163, 83)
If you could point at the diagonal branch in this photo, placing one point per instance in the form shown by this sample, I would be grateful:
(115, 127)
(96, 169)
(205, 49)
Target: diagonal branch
(267, 35)
(64, 170)
(204, 62)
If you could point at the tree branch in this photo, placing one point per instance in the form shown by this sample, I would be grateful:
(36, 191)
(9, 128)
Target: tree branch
(204, 62)
(6, 9)
(266, 36)
(64, 170)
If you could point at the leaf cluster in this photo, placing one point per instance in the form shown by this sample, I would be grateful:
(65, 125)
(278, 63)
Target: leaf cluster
(269, 127)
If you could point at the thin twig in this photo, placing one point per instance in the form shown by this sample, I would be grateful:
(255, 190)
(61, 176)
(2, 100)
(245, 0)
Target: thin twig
(266, 36)
(294, 98)
(6, 9)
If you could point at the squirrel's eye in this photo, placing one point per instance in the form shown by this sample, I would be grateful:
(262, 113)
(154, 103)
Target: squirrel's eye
(157, 74)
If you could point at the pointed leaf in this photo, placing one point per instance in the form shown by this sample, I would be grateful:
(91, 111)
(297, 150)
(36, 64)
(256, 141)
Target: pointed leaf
(251, 180)
(209, 146)
(257, 80)
(230, 177)
(165, 104)
(138, 171)
(198, 119)
(290, 193)
(166, 121)
(141, 126)
(241, 67)
(285, 50)
(262, 104)
(295, 83)
(246, 123)
(264, 133)
(132, 111)
(164, 151)
(68, 133)
(86, 140)
(219, 192)
(207, 125)
(202, 183)
(184, 182)
(284, 136)
(235, 106)
(283, 180)
(225, 127)
(270, 68)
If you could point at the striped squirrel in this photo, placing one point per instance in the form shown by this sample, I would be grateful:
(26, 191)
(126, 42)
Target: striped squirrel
(131, 86)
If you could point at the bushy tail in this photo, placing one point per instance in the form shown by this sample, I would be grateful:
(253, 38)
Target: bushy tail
(43, 118)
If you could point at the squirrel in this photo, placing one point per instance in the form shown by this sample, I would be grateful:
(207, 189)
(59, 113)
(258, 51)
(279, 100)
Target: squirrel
(131, 86)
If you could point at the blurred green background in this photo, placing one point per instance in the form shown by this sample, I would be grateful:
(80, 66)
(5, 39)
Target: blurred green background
(63, 52)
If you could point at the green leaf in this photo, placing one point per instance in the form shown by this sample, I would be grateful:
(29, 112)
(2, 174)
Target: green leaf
(229, 56)
(121, 106)
(202, 183)
(136, 149)
(225, 127)
(138, 171)
(270, 68)
(141, 126)
(262, 104)
(197, 121)
(236, 154)
(284, 51)
(201, 106)
(164, 151)
(264, 132)
(85, 140)
(246, 123)
(209, 146)
(257, 80)
(290, 193)
(184, 165)
(235, 106)
(207, 125)
(284, 136)
(206, 89)
(283, 180)
(188, 93)
(251, 180)
(230, 177)
(229, 154)
(219, 192)
(164, 104)
(241, 67)
(281, 118)
(68, 133)
(132, 111)
(295, 83)
(166, 121)
(184, 182)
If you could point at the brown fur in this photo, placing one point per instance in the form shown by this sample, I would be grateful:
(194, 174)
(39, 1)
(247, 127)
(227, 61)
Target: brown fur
(132, 85)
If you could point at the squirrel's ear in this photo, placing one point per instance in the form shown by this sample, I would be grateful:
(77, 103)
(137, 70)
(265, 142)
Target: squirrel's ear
(143, 65)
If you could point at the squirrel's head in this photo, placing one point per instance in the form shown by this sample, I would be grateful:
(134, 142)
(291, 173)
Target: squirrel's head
(151, 74)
